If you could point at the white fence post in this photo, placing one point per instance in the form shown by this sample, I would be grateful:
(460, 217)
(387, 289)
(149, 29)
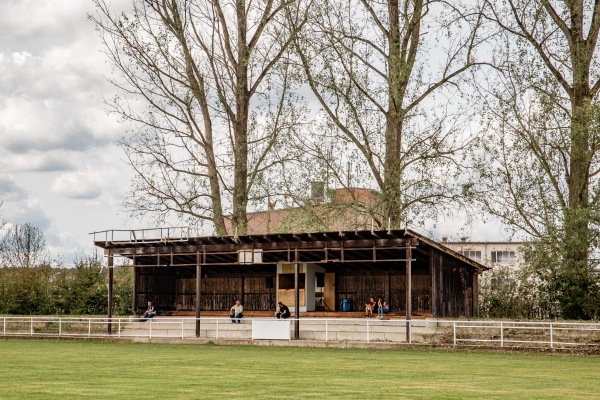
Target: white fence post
(501, 334)
(60, 327)
(410, 331)
(4, 328)
(454, 331)
(31, 327)
(119, 333)
(551, 336)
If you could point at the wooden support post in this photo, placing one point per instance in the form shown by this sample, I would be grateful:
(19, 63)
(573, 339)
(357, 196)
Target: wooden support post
(475, 294)
(408, 289)
(242, 288)
(388, 285)
(433, 273)
(134, 297)
(297, 296)
(198, 292)
(110, 292)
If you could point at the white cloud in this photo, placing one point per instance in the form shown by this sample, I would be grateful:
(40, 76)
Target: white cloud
(62, 168)
(32, 211)
(50, 102)
(81, 184)
(36, 24)
(20, 58)
(10, 190)
(26, 209)
(35, 161)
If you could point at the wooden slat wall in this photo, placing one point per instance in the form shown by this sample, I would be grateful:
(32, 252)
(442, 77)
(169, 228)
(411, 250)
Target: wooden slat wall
(170, 291)
(360, 288)
(452, 285)
(257, 296)
(156, 285)
(219, 294)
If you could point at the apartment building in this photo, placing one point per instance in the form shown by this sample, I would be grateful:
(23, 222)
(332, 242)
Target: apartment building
(490, 254)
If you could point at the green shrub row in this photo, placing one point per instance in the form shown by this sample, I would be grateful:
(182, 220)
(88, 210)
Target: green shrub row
(59, 290)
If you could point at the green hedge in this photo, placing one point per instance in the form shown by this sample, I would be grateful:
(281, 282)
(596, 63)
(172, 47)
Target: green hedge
(80, 290)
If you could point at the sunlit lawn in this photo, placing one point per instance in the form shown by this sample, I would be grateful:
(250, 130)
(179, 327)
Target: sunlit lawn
(45, 369)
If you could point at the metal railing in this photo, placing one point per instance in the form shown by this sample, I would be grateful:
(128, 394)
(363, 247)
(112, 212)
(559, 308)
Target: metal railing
(529, 333)
(151, 235)
(501, 334)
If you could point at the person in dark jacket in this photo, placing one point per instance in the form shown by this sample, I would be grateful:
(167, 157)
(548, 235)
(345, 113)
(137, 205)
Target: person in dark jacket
(282, 311)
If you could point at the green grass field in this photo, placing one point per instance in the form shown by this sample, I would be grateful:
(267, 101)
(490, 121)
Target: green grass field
(45, 369)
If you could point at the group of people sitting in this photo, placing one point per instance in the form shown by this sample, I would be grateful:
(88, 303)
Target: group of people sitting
(235, 313)
(237, 310)
(380, 307)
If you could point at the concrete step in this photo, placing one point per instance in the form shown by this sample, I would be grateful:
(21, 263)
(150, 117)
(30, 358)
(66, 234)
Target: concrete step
(310, 329)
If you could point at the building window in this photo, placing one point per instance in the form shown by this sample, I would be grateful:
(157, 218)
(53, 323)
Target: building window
(286, 281)
(503, 257)
(472, 254)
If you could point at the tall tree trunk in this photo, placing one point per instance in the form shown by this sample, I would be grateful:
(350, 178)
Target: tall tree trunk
(215, 189)
(401, 58)
(240, 189)
(577, 235)
(393, 133)
(577, 216)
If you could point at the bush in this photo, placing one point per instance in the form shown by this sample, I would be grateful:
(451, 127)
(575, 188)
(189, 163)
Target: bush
(505, 293)
(81, 290)
(544, 288)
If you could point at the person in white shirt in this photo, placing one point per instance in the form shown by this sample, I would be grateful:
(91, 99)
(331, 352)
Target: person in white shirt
(236, 312)
(150, 312)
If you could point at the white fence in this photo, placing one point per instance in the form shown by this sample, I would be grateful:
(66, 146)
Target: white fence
(503, 334)
(527, 334)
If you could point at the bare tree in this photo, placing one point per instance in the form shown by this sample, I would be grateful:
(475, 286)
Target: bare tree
(545, 113)
(206, 89)
(386, 74)
(23, 246)
(542, 140)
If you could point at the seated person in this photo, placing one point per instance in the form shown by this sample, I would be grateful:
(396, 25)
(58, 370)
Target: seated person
(150, 312)
(370, 307)
(236, 312)
(386, 307)
(382, 308)
(282, 311)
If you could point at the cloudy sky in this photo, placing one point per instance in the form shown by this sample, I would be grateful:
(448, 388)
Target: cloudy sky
(60, 165)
